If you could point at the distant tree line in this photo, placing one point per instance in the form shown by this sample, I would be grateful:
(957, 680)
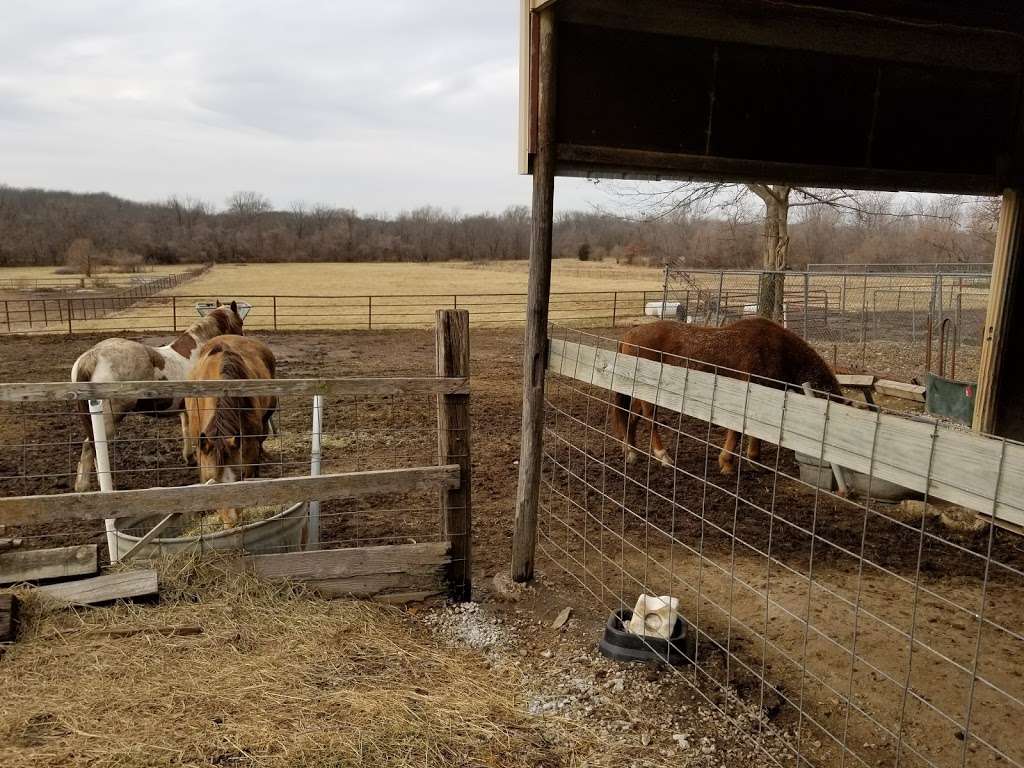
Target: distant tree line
(43, 227)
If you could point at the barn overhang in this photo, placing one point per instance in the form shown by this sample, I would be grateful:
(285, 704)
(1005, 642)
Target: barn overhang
(875, 94)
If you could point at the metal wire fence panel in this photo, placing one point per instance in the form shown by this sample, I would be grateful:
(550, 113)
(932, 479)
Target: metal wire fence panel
(885, 627)
(857, 319)
(169, 314)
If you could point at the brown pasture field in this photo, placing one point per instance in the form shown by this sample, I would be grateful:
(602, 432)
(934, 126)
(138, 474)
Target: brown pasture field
(38, 450)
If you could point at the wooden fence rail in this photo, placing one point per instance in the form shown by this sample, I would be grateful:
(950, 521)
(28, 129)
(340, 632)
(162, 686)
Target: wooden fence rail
(982, 473)
(379, 386)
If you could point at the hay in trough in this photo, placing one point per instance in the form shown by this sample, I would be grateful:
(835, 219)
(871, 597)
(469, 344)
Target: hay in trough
(211, 523)
(227, 670)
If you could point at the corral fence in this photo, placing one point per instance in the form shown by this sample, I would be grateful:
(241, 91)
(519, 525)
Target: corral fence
(880, 627)
(61, 310)
(936, 267)
(363, 484)
(845, 313)
(171, 314)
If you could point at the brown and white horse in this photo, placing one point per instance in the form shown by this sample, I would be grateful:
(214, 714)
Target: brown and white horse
(750, 349)
(227, 433)
(124, 360)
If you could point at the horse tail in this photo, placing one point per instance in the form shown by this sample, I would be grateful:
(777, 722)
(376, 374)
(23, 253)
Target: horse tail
(82, 371)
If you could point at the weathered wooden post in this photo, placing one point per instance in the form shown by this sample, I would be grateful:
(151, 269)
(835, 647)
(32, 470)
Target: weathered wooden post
(524, 539)
(453, 447)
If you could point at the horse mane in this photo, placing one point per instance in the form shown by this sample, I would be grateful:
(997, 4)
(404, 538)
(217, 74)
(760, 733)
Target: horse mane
(216, 323)
(233, 412)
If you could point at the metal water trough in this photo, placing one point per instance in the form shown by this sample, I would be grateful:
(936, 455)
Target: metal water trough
(820, 475)
(283, 532)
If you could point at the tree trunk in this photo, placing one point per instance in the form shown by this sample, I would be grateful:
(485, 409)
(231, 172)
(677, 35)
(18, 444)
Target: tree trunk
(776, 249)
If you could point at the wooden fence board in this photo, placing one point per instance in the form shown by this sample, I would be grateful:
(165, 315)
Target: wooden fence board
(950, 464)
(426, 385)
(103, 589)
(36, 564)
(23, 510)
(8, 617)
(406, 571)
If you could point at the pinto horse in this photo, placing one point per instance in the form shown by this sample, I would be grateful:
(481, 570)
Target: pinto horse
(125, 360)
(227, 433)
(751, 348)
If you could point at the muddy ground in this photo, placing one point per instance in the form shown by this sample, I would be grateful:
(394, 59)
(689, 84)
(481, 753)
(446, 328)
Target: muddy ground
(707, 544)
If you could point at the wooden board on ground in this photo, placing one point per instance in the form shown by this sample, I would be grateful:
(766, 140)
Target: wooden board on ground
(8, 617)
(104, 589)
(914, 392)
(412, 571)
(855, 380)
(38, 564)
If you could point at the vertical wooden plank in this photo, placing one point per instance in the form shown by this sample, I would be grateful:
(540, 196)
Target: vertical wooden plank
(1006, 292)
(524, 538)
(453, 447)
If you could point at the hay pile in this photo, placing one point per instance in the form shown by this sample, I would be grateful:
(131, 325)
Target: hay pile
(274, 678)
(211, 523)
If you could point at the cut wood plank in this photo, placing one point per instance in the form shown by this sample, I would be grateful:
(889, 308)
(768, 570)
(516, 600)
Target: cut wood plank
(981, 473)
(345, 563)
(9, 606)
(103, 589)
(380, 585)
(24, 510)
(38, 564)
(855, 380)
(429, 385)
(898, 389)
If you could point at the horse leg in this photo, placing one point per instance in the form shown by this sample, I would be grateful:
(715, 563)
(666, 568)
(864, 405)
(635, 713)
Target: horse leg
(631, 423)
(651, 413)
(753, 449)
(725, 458)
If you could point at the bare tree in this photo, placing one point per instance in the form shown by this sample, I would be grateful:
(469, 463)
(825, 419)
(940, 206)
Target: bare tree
(298, 213)
(248, 205)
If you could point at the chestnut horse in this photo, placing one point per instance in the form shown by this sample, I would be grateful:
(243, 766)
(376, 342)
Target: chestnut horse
(750, 349)
(226, 434)
(125, 360)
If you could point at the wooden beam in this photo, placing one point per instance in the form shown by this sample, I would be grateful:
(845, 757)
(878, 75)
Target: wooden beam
(345, 563)
(23, 510)
(524, 539)
(913, 392)
(38, 564)
(9, 607)
(615, 162)
(162, 389)
(401, 571)
(453, 447)
(997, 392)
(104, 589)
(980, 473)
(855, 380)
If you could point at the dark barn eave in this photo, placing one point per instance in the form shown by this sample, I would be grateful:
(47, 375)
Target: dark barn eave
(782, 91)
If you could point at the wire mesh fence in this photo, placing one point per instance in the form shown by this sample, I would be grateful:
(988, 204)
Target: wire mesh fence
(883, 627)
(856, 318)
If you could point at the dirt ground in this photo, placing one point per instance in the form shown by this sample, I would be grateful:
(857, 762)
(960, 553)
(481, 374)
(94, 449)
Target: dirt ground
(821, 537)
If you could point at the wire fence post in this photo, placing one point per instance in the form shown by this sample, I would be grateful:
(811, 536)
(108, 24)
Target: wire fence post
(315, 459)
(69, 316)
(615, 306)
(7, 314)
(807, 299)
(174, 314)
(453, 446)
(864, 322)
(103, 474)
(275, 312)
(369, 313)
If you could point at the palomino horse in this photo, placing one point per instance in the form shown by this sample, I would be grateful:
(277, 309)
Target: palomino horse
(125, 360)
(227, 433)
(752, 348)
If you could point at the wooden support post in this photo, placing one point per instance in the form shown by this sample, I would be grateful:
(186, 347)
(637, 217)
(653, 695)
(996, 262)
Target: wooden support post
(524, 539)
(995, 409)
(174, 314)
(453, 447)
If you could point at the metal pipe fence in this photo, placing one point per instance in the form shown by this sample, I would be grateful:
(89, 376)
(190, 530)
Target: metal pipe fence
(277, 312)
(855, 319)
(855, 631)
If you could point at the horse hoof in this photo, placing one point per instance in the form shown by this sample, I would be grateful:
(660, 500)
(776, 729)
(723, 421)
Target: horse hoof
(727, 469)
(632, 456)
(662, 456)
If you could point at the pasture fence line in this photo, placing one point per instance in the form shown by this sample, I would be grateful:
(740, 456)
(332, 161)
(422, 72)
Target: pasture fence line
(291, 312)
(61, 312)
(366, 492)
(872, 628)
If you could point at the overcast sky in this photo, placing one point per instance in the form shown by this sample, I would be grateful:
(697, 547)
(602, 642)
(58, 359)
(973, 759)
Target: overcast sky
(379, 106)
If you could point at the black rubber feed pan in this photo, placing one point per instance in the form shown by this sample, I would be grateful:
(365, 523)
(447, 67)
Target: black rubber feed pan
(621, 645)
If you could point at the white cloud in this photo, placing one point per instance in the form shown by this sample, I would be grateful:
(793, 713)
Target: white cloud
(380, 106)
